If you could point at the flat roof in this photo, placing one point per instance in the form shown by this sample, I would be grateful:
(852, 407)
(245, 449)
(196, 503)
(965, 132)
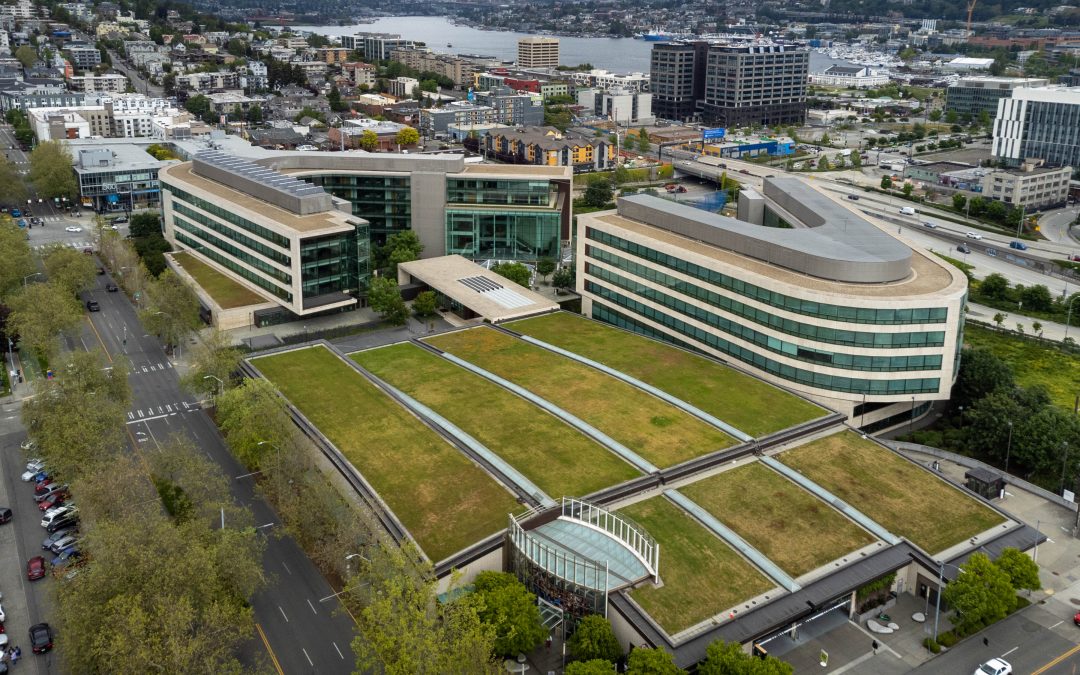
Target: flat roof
(493, 297)
(518, 170)
(322, 222)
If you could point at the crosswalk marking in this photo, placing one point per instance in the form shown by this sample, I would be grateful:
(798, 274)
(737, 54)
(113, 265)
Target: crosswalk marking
(168, 410)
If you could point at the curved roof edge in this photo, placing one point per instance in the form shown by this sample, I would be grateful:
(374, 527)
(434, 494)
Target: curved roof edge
(837, 244)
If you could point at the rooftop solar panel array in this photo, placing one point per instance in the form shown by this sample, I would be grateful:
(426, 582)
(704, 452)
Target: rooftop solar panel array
(245, 168)
(261, 182)
(496, 292)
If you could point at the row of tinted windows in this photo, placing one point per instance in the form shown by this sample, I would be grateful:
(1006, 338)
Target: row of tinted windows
(781, 370)
(254, 278)
(233, 250)
(230, 217)
(789, 349)
(791, 327)
(250, 242)
(796, 305)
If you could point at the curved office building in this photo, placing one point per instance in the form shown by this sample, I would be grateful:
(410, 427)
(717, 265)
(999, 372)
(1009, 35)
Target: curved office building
(798, 290)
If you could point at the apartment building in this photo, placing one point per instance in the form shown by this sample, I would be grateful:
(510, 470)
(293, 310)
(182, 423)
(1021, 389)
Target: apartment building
(112, 83)
(547, 146)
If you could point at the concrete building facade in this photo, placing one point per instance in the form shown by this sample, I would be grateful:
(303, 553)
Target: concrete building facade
(538, 52)
(1030, 187)
(1040, 123)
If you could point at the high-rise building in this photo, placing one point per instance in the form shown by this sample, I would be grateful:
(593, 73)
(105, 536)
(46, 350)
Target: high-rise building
(755, 84)
(677, 78)
(973, 95)
(538, 52)
(1039, 123)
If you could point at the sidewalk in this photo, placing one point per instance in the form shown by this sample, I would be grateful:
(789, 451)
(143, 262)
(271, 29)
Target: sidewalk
(1051, 330)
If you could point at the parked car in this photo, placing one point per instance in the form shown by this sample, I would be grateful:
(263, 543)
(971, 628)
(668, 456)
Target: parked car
(65, 522)
(52, 515)
(120, 220)
(52, 501)
(5, 515)
(1018, 245)
(994, 667)
(853, 198)
(41, 638)
(63, 542)
(35, 464)
(49, 491)
(55, 537)
(31, 476)
(973, 235)
(35, 568)
(111, 288)
(1076, 618)
(28, 445)
(68, 554)
(93, 306)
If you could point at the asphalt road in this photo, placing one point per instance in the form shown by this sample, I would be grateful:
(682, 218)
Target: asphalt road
(300, 633)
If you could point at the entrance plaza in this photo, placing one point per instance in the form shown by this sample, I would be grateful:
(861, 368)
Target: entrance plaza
(686, 500)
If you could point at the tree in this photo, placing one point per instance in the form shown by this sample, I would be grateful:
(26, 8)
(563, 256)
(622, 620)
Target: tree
(1036, 328)
(504, 604)
(334, 99)
(400, 247)
(26, 55)
(823, 163)
(999, 318)
(255, 114)
(69, 269)
(369, 140)
(145, 224)
(980, 594)
(724, 658)
(856, 160)
(599, 193)
(1023, 572)
(51, 171)
(590, 667)
(407, 136)
(12, 188)
(981, 372)
(254, 421)
(593, 638)
(544, 267)
(515, 272)
(18, 260)
(657, 661)
(172, 311)
(886, 183)
(959, 201)
(40, 312)
(425, 304)
(907, 189)
(564, 278)
(403, 629)
(825, 140)
(385, 298)
(935, 115)
(643, 140)
(199, 106)
(1037, 298)
(213, 364)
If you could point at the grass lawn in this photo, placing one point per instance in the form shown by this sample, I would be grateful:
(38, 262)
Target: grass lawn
(658, 431)
(441, 497)
(794, 529)
(549, 452)
(702, 575)
(1032, 363)
(749, 405)
(221, 288)
(904, 498)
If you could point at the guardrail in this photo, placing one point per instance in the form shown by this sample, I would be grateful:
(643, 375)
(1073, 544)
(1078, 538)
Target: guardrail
(560, 563)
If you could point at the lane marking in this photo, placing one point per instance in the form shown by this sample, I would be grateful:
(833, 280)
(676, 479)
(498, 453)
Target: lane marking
(338, 650)
(286, 567)
(1009, 652)
(131, 416)
(1057, 624)
(103, 347)
(1056, 661)
(311, 606)
(283, 613)
(307, 657)
(269, 650)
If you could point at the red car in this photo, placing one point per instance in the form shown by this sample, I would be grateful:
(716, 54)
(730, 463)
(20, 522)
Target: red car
(51, 501)
(1076, 618)
(35, 568)
(43, 487)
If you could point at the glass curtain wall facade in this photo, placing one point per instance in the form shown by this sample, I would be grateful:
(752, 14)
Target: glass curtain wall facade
(334, 263)
(384, 201)
(502, 219)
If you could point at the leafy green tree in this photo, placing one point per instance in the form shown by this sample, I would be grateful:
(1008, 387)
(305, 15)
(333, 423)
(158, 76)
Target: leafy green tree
(643, 140)
(385, 298)
(935, 115)
(18, 260)
(504, 604)
(1023, 572)
(199, 106)
(823, 163)
(1037, 298)
(999, 318)
(213, 364)
(69, 269)
(255, 423)
(255, 114)
(172, 311)
(593, 638)
(856, 159)
(407, 136)
(334, 99)
(725, 658)
(26, 55)
(959, 201)
(907, 189)
(656, 661)
(825, 140)
(12, 188)
(40, 312)
(425, 304)
(564, 278)
(590, 667)
(51, 171)
(886, 183)
(515, 272)
(544, 267)
(400, 247)
(981, 372)
(369, 140)
(980, 594)
(599, 193)
(145, 224)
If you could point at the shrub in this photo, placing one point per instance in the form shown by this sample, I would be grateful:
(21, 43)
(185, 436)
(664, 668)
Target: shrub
(946, 639)
(929, 643)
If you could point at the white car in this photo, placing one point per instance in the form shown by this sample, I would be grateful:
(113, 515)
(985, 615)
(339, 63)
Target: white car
(973, 235)
(28, 475)
(36, 464)
(54, 513)
(73, 228)
(28, 445)
(995, 667)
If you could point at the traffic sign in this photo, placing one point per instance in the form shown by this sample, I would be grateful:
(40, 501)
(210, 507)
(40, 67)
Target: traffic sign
(710, 134)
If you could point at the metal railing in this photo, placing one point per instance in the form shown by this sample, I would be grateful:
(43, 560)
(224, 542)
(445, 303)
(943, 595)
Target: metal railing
(561, 563)
(645, 548)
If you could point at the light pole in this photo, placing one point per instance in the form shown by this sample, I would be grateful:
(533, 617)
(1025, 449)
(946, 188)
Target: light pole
(221, 385)
(1068, 314)
(349, 557)
(1064, 462)
(940, 588)
(1008, 447)
(35, 274)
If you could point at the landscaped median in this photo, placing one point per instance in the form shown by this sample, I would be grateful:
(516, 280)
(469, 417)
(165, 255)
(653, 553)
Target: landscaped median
(790, 526)
(902, 497)
(547, 451)
(228, 294)
(748, 404)
(658, 431)
(701, 574)
(444, 500)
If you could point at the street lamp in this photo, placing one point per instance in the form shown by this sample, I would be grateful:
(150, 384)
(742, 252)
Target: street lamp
(1064, 462)
(28, 276)
(221, 385)
(941, 586)
(1008, 447)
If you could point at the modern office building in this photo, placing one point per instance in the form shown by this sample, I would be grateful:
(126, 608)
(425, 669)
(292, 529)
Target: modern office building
(756, 83)
(115, 176)
(835, 309)
(375, 46)
(973, 95)
(478, 211)
(538, 52)
(1040, 123)
(677, 78)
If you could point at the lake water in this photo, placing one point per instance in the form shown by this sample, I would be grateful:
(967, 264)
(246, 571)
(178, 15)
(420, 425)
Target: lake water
(619, 55)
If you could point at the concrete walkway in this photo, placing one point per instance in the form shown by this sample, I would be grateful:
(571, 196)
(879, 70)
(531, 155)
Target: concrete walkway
(1050, 330)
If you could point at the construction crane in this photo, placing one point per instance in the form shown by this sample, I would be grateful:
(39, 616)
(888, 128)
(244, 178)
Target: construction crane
(970, 9)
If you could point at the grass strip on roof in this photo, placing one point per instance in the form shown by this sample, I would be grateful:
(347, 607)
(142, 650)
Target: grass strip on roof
(442, 498)
(904, 498)
(225, 292)
(790, 526)
(552, 454)
(748, 404)
(658, 431)
(702, 575)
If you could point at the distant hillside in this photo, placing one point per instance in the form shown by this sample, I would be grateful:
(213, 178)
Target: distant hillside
(934, 9)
